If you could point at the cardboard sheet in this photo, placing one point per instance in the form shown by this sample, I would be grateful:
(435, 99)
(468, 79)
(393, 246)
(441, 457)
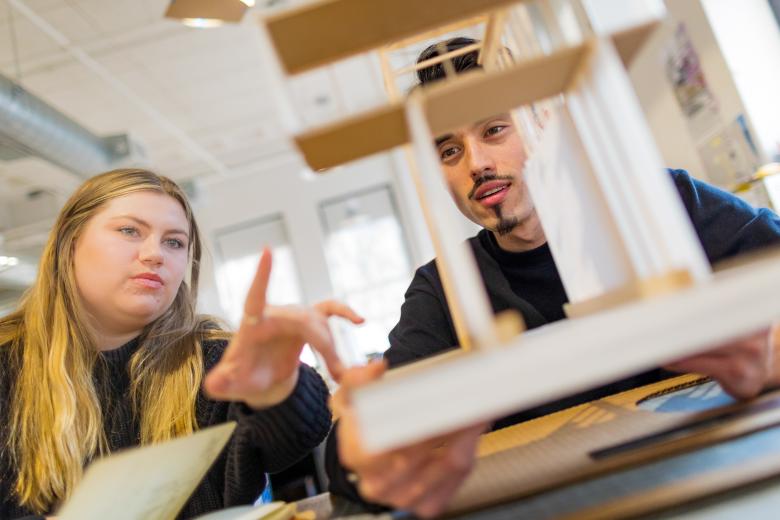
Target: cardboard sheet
(608, 435)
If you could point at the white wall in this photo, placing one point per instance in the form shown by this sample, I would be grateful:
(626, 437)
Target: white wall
(294, 193)
(663, 114)
(284, 191)
(749, 38)
(656, 95)
(608, 16)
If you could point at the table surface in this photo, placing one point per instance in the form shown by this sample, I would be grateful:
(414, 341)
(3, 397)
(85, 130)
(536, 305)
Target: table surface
(756, 501)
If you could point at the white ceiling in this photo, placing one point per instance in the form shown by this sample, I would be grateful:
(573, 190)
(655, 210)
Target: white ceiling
(199, 101)
(190, 93)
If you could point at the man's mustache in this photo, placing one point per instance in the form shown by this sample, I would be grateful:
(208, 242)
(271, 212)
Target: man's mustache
(487, 178)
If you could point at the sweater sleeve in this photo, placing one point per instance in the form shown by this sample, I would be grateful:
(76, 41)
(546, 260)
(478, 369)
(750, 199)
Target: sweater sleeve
(727, 226)
(272, 439)
(425, 327)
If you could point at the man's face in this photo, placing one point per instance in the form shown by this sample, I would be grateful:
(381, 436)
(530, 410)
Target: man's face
(483, 166)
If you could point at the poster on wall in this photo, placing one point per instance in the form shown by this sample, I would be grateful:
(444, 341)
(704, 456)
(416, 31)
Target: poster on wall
(729, 154)
(726, 148)
(693, 95)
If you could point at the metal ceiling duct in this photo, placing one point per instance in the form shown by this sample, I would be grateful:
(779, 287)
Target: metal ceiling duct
(29, 126)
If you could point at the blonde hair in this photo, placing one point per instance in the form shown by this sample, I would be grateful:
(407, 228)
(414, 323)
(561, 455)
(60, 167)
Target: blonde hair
(56, 421)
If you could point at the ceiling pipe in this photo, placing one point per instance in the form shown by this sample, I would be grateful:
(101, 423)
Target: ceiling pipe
(100, 71)
(30, 126)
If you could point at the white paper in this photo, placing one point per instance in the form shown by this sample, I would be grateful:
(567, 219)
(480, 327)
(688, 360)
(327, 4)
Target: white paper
(246, 512)
(146, 483)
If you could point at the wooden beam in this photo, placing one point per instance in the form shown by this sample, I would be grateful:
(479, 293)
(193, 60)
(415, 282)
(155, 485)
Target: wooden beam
(462, 100)
(440, 58)
(368, 133)
(330, 30)
(412, 404)
(438, 32)
(477, 95)
(492, 42)
(633, 291)
(225, 10)
(629, 41)
(464, 289)
(388, 77)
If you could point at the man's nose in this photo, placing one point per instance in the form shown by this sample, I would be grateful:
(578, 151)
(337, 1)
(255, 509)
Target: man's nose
(478, 158)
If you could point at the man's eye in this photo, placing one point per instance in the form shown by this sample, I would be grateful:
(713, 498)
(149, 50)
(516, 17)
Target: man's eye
(448, 152)
(493, 130)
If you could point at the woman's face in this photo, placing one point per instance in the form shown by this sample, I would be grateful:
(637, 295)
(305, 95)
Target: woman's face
(130, 260)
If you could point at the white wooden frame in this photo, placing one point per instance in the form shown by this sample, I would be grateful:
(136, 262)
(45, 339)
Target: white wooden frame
(545, 364)
(614, 177)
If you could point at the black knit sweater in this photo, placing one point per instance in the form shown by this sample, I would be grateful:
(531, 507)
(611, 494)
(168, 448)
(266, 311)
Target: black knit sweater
(264, 441)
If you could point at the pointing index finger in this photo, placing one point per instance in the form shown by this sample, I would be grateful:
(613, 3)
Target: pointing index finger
(255, 298)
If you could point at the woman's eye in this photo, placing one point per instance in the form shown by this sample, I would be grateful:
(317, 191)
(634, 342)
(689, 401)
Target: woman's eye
(175, 243)
(129, 231)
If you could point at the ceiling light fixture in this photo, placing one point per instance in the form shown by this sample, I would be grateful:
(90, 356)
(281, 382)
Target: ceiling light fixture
(208, 13)
(8, 261)
(202, 23)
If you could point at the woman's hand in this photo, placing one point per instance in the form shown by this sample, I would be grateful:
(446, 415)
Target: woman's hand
(260, 365)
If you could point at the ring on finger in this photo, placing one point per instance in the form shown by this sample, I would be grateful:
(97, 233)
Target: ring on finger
(251, 319)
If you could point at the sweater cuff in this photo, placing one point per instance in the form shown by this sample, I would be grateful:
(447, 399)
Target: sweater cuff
(295, 426)
(309, 390)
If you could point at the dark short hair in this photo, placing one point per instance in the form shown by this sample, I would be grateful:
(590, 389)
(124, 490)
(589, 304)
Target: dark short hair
(460, 63)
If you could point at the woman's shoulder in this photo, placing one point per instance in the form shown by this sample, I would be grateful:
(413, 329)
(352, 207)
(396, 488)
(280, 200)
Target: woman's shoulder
(8, 369)
(9, 352)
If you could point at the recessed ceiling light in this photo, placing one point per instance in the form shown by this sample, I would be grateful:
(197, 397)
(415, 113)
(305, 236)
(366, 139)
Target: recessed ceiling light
(202, 23)
(8, 261)
(207, 13)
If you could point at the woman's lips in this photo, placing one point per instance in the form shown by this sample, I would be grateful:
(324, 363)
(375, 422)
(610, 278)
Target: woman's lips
(145, 282)
(148, 280)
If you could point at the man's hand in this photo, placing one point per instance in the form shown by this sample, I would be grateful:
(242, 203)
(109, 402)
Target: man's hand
(743, 367)
(421, 478)
(260, 365)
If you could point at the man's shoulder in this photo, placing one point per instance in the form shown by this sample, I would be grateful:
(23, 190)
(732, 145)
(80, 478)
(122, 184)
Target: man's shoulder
(683, 181)
(702, 199)
(679, 174)
(430, 272)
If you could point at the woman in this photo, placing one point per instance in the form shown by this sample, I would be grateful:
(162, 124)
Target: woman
(106, 351)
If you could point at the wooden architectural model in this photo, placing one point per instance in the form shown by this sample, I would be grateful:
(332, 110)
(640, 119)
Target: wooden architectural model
(641, 290)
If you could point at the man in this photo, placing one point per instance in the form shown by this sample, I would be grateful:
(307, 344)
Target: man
(483, 166)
